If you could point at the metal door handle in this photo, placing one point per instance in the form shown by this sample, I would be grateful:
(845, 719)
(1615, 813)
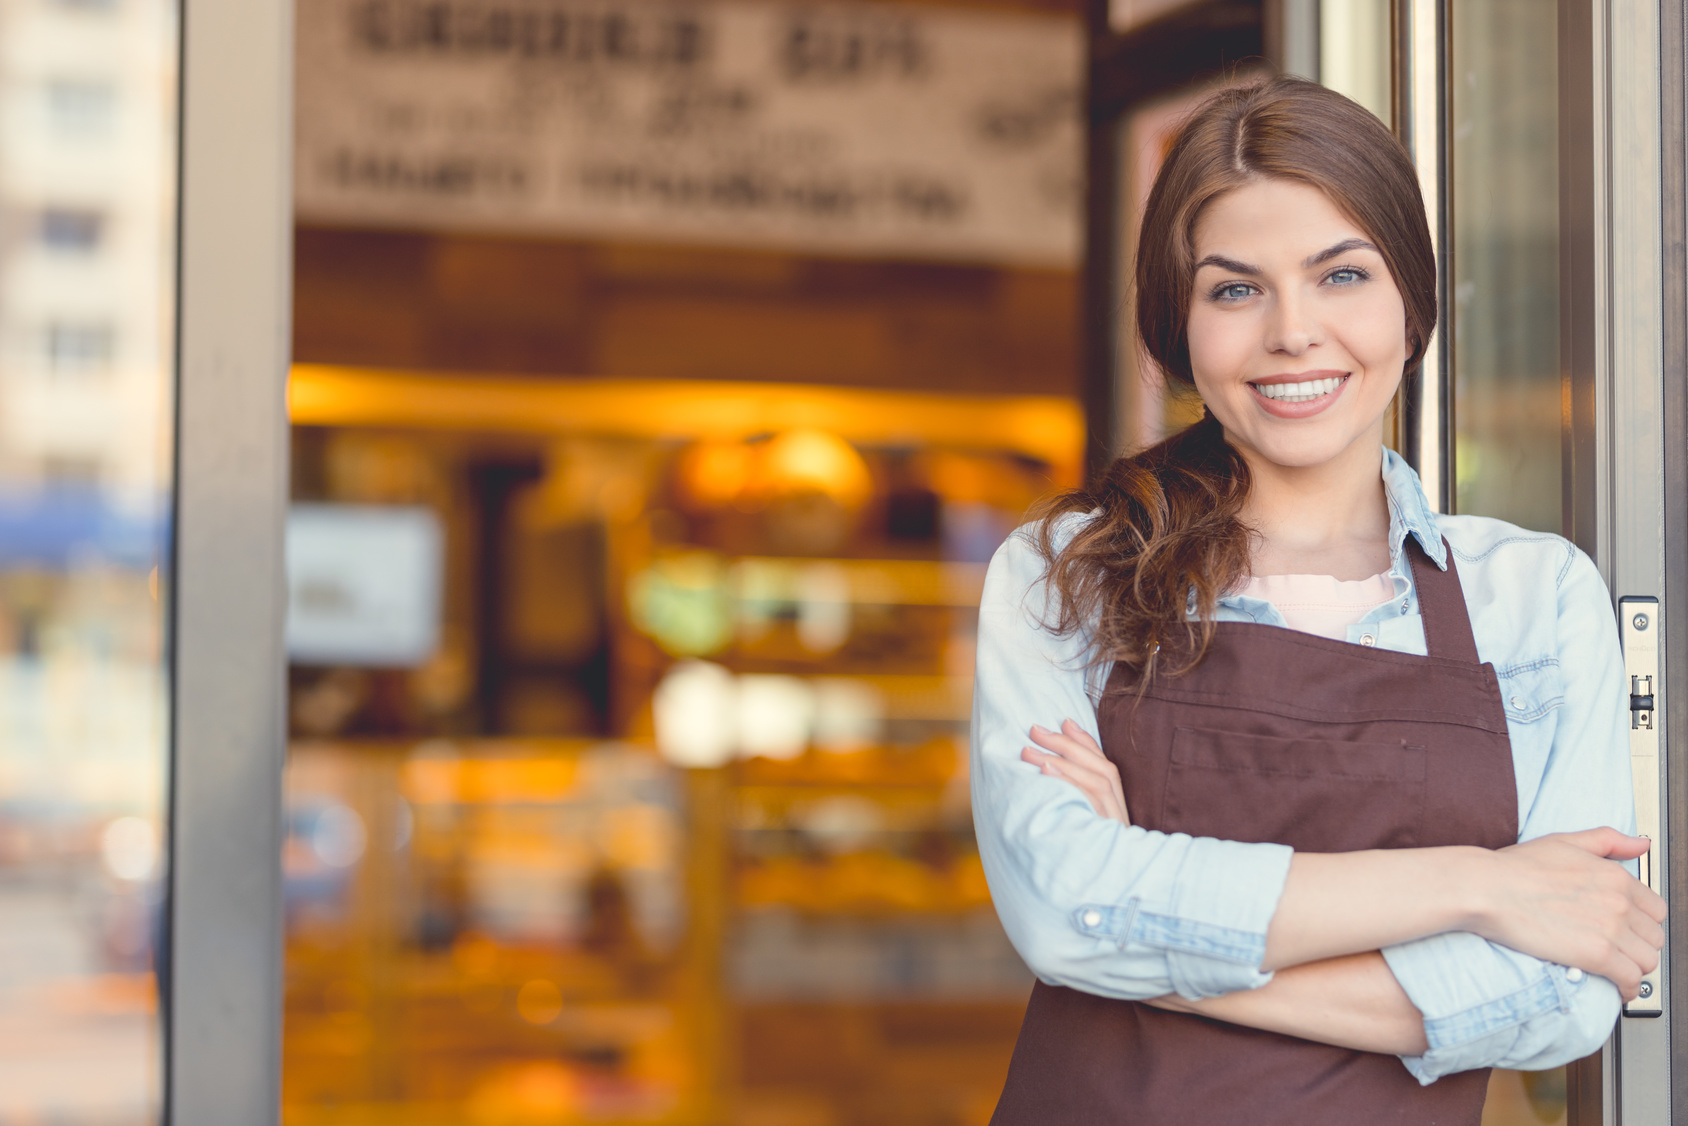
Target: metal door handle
(1640, 622)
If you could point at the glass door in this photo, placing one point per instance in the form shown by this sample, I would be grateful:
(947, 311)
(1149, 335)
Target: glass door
(1543, 134)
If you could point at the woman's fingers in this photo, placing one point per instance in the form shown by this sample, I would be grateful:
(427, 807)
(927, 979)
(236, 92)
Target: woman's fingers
(1082, 757)
(1566, 902)
(1621, 958)
(1087, 783)
(1072, 741)
(1608, 843)
(1642, 922)
(1100, 788)
(1075, 731)
(1640, 951)
(1650, 902)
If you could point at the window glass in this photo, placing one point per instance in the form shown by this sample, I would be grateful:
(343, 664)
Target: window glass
(87, 206)
(1504, 261)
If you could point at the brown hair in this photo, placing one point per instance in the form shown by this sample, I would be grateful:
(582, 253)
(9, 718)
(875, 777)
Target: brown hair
(1167, 536)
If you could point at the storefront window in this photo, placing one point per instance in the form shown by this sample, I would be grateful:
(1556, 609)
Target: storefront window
(647, 461)
(1504, 261)
(88, 108)
(674, 792)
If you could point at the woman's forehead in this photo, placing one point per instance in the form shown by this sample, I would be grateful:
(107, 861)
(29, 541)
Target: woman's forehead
(1274, 218)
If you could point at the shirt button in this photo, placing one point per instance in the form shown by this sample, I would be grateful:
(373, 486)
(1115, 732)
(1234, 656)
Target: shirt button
(1367, 640)
(1517, 702)
(1573, 975)
(1093, 918)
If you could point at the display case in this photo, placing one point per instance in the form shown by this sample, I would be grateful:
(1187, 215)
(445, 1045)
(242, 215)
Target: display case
(671, 823)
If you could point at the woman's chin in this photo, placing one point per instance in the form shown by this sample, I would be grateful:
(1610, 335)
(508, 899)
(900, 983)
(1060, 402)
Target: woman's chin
(1310, 447)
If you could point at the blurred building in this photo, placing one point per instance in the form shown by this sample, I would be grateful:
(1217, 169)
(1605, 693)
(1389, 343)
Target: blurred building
(87, 175)
(87, 233)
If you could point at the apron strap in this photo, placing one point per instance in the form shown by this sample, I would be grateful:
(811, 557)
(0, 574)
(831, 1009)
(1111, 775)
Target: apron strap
(1441, 602)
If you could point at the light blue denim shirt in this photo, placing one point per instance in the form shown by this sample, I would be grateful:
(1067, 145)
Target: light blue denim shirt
(1125, 912)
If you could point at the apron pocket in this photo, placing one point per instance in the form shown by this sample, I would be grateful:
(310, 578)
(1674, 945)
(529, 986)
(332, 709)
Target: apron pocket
(1311, 794)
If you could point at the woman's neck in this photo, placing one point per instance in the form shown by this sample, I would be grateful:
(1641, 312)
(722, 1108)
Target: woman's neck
(1328, 519)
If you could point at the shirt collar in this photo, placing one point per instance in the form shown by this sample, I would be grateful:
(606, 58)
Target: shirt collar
(1409, 510)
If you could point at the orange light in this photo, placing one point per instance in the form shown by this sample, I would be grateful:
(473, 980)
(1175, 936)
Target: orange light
(539, 1002)
(715, 474)
(1049, 428)
(815, 461)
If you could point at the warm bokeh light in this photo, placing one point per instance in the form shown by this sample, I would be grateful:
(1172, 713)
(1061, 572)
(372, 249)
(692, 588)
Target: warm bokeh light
(539, 1002)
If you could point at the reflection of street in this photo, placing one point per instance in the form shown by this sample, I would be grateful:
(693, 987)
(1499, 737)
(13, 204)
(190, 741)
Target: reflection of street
(77, 1044)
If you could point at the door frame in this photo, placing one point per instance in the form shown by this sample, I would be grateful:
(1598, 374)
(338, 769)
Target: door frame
(1673, 102)
(1621, 363)
(222, 975)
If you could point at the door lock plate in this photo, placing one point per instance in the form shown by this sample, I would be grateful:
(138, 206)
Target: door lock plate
(1640, 622)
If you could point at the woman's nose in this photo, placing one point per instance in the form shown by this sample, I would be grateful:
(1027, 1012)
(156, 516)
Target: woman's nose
(1291, 327)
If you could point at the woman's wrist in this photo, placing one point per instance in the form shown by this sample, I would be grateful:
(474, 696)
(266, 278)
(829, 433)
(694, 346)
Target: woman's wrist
(1467, 877)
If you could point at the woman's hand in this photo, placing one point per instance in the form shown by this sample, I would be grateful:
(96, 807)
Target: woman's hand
(1071, 754)
(1560, 898)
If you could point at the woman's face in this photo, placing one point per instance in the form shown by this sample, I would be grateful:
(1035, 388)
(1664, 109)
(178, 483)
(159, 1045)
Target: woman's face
(1297, 332)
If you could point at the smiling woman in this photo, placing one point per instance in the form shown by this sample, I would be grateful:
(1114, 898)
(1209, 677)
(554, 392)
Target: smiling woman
(1254, 328)
(1301, 787)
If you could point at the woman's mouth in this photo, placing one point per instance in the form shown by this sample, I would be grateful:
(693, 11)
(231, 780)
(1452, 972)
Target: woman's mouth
(1298, 398)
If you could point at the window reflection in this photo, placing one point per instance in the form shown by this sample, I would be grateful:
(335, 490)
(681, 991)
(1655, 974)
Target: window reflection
(87, 113)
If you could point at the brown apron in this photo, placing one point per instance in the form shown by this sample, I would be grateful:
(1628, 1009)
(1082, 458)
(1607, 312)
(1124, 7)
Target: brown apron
(1322, 745)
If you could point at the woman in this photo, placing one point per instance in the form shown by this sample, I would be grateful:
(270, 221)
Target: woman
(1272, 854)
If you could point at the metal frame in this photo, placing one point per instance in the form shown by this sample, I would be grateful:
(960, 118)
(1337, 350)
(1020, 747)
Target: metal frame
(1421, 121)
(223, 1009)
(1673, 269)
(1292, 36)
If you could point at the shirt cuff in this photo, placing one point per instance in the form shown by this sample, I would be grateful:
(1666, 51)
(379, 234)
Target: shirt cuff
(1213, 931)
(1475, 997)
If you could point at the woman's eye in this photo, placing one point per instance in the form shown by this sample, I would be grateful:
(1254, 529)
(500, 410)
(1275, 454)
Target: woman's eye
(1346, 276)
(1236, 291)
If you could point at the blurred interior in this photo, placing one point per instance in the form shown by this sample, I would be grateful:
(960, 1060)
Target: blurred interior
(654, 808)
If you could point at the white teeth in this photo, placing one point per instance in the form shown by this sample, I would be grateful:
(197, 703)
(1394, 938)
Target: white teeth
(1299, 392)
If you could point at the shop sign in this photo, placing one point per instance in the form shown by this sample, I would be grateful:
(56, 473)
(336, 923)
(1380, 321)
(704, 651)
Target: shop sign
(859, 129)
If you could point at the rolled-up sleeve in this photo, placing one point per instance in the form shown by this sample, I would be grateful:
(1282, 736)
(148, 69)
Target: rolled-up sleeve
(1483, 1004)
(1088, 902)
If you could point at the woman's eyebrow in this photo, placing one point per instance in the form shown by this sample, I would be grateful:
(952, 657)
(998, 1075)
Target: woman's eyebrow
(1233, 265)
(1325, 255)
(1342, 247)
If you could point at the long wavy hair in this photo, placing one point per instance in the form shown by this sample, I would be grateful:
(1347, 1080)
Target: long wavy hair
(1167, 537)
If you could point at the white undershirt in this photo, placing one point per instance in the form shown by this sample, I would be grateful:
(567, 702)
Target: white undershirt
(1320, 604)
